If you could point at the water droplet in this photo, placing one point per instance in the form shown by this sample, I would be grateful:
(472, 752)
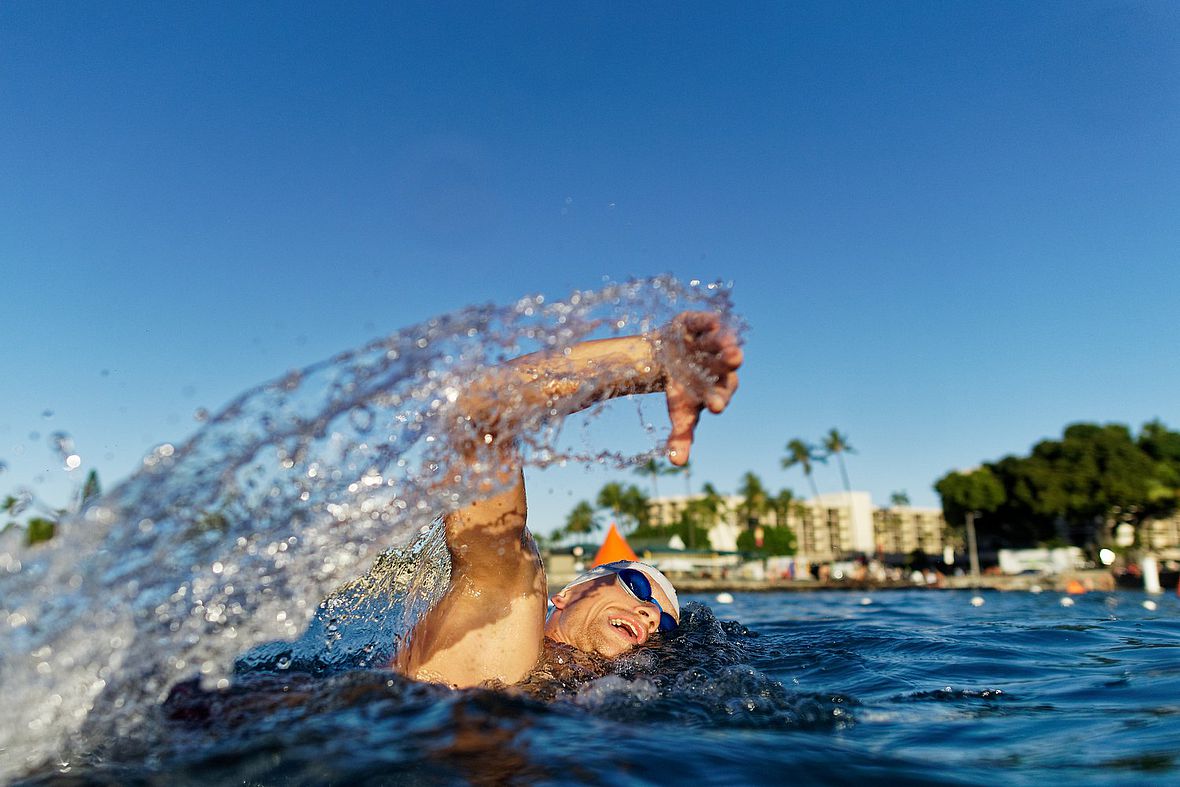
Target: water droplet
(361, 419)
(62, 443)
(21, 501)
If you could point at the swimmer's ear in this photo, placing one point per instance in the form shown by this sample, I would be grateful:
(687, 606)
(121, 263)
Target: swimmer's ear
(560, 600)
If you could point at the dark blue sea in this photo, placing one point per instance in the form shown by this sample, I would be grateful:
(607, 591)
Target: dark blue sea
(812, 688)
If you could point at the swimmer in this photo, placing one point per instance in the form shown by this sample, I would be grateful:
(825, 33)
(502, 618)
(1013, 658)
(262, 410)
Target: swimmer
(491, 623)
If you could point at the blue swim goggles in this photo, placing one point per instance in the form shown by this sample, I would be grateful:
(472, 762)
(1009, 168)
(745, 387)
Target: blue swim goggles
(637, 584)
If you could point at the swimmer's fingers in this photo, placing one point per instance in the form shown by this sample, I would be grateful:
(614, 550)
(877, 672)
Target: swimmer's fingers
(719, 396)
(684, 410)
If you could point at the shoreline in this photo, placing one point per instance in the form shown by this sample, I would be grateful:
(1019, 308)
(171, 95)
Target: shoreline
(1096, 580)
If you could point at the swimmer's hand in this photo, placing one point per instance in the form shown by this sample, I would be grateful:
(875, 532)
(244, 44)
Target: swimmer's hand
(702, 357)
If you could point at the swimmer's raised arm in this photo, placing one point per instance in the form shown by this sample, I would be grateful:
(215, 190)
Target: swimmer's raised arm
(693, 360)
(489, 625)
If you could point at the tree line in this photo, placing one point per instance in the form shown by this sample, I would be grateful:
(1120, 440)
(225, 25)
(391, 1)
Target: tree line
(1073, 490)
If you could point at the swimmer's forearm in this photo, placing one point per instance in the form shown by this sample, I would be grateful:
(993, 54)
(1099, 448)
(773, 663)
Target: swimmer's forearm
(565, 382)
(591, 372)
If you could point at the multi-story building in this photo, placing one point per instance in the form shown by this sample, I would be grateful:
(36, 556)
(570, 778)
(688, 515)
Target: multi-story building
(904, 529)
(826, 528)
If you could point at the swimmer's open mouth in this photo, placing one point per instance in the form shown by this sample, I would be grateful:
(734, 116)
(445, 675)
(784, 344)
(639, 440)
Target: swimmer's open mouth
(627, 627)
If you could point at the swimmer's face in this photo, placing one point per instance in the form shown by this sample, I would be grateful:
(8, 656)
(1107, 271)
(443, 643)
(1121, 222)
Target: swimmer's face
(602, 617)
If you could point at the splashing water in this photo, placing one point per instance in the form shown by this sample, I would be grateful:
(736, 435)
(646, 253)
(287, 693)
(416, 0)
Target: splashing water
(231, 538)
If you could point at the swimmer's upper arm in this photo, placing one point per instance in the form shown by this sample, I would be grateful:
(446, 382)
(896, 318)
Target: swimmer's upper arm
(489, 625)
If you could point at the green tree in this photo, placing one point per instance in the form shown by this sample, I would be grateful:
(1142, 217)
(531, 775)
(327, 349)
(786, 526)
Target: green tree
(686, 471)
(582, 519)
(1096, 469)
(688, 527)
(804, 455)
(782, 504)
(974, 490)
(708, 509)
(779, 541)
(892, 518)
(627, 502)
(836, 444)
(653, 469)
(1162, 446)
(775, 541)
(755, 500)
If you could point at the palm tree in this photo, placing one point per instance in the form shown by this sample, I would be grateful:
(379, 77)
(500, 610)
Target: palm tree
(836, 444)
(582, 519)
(893, 518)
(755, 500)
(781, 504)
(802, 454)
(654, 468)
(711, 505)
(686, 471)
(628, 503)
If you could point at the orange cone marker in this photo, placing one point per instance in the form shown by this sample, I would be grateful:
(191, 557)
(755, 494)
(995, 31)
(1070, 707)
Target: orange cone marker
(614, 547)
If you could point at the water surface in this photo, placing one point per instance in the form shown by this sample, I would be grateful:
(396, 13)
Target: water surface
(815, 688)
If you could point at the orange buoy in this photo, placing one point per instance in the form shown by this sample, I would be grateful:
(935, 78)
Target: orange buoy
(1074, 588)
(614, 547)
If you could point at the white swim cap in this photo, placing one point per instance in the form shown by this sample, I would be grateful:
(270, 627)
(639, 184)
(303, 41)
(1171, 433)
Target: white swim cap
(651, 572)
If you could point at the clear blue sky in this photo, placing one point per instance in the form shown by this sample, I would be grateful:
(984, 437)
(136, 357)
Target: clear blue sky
(952, 227)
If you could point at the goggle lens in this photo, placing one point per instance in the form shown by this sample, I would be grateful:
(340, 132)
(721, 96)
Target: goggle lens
(637, 583)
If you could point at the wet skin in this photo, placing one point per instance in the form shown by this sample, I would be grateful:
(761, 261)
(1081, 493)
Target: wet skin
(490, 624)
(602, 617)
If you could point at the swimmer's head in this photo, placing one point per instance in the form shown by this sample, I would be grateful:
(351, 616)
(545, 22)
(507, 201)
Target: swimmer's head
(612, 608)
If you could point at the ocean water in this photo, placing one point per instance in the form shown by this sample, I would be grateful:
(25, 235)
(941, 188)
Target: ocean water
(813, 688)
(173, 633)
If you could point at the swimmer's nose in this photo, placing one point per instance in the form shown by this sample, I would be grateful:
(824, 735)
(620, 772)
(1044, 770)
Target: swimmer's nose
(650, 615)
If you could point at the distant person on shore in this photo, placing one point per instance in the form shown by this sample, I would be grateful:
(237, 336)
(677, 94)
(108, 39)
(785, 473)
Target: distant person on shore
(491, 623)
